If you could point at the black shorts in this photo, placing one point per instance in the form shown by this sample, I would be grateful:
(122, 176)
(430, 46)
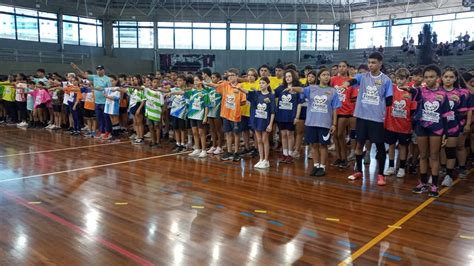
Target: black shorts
(41, 106)
(196, 123)
(344, 116)
(178, 123)
(245, 123)
(286, 126)
(319, 135)
(394, 137)
(231, 126)
(425, 132)
(134, 109)
(153, 123)
(89, 113)
(122, 110)
(369, 130)
(57, 108)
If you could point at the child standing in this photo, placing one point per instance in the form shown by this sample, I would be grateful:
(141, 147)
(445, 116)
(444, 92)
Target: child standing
(154, 102)
(112, 106)
(89, 109)
(213, 116)
(57, 99)
(178, 112)
(197, 101)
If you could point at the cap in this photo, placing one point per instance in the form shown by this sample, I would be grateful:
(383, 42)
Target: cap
(100, 67)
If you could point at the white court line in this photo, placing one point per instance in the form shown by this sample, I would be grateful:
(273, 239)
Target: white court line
(94, 167)
(63, 149)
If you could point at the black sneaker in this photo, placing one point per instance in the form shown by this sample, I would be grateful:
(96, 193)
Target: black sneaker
(227, 156)
(321, 172)
(244, 152)
(344, 164)
(176, 148)
(433, 193)
(254, 153)
(420, 188)
(236, 157)
(336, 163)
(314, 171)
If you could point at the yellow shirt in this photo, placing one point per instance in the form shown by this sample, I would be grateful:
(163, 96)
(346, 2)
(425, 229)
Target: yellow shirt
(303, 81)
(248, 87)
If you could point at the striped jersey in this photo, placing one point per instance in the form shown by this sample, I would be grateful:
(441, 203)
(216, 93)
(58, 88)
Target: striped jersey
(112, 105)
(154, 104)
(197, 101)
(214, 103)
(178, 104)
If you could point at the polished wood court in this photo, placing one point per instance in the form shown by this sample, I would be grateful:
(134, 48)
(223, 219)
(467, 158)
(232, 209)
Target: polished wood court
(66, 200)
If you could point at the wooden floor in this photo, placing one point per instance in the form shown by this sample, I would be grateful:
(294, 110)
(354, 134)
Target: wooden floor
(66, 200)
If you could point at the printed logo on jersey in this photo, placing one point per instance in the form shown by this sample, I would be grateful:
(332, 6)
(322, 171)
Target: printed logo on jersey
(285, 102)
(341, 93)
(261, 112)
(429, 113)
(320, 104)
(371, 96)
(398, 109)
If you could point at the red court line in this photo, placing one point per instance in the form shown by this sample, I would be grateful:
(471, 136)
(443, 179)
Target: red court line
(20, 201)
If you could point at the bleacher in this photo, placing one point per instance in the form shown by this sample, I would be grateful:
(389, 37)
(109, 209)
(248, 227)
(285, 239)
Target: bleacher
(37, 56)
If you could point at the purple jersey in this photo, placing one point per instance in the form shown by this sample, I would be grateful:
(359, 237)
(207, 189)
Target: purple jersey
(457, 109)
(321, 104)
(373, 90)
(432, 107)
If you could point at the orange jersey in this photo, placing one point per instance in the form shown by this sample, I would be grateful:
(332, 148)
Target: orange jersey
(231, 101)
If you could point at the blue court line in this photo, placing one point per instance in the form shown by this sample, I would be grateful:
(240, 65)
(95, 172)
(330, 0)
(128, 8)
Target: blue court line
(391, 257)
(346, 244)
(309, 233)
(220, 206)
(274, 222)
(247, 214)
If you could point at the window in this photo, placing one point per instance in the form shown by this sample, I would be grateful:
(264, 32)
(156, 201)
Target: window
(254, 40)
(7, 26)
(422, 19)
(70, 33)
(324, 40)
(192, 35)
(272, 39)
(82, 31)
(288, 40)
(165, 38)
(263, 36)
(133, 34)
(27, 28)
(48, 30)
(218, 39)
(88, 35)
(183, 38)
(237, 39)
(319, 37)
(201, 39)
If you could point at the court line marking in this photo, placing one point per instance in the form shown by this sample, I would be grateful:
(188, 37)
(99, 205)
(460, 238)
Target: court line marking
(75, 228)
(94, 167)
(62, 149)
(351, 258)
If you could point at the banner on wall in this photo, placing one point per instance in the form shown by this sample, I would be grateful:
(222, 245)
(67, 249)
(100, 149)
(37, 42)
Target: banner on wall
(186, 62)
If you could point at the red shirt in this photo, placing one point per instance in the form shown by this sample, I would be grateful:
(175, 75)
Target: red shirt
(345, 95)
(398, 118)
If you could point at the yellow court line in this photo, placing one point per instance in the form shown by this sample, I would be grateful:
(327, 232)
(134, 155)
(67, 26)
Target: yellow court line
(63, 149)
(94, 167)
(392, 228)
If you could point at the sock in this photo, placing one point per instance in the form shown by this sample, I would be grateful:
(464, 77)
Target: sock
(359, 163)
(115, 130)
(285, 152)
(190, 138)
(434, 180)
(316, 165)
(322, 166)
(391, 163)
(449, 172)
(403, 164)
(424, 178)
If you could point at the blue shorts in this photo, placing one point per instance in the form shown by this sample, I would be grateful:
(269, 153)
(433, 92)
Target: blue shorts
(286, 126)
(319, 135)
(134, 109)
(231, 126)
(245, 123)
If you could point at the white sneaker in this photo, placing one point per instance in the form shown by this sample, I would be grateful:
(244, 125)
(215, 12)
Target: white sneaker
(132, 137)
(218, 151)
(401, 173)
(203, 154)
(265, 164)
(295, 154)
(332, 147)
(189, 146)
(258, 165)
(50, 126)
(389, 171)
(211, 150)
(447, 181)
(86, 128)
(22, 124)
(148, 135)
(195, 153)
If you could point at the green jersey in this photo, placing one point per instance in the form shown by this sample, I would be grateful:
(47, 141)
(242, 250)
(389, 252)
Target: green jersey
(214, 102)
(154, 104)
(136, 96)
(197, 101)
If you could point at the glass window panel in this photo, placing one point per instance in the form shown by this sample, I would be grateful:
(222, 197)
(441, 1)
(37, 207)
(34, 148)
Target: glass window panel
(444, 31)
(272, 40)
(128, 37)
(336, 27)
(254, 26)
(366, 25)
(183, 39)
(127, 23)
(27, 12)
(47, 15)
(87, 35)
(201, 39)
(465, 15)
(382, 23)
(116, 39)
(422, 19)
(7, 26)
(463, 26)
(367, 38)
(336, 40)
(165, 24)
(99, 36)
(402, 21)
(88, 20)
(414, 30)
(48, 30)
(237, 39)
(400, 32)
(8, 9)
(27, 28)
(218, 39)
(183, 24)
(70, 33)
(145, 24)
(308, 26)
(325, 40)
(237, 25)
(218, 25)
(201, 25)
(325, 27)
(254, 39)
(115, 23)
(444, 17)
(289, 26)
(288, 40)
(272, 26)
(99, 22)
(308, 40)
(165, 38)
(70, 18)
(145, 38)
